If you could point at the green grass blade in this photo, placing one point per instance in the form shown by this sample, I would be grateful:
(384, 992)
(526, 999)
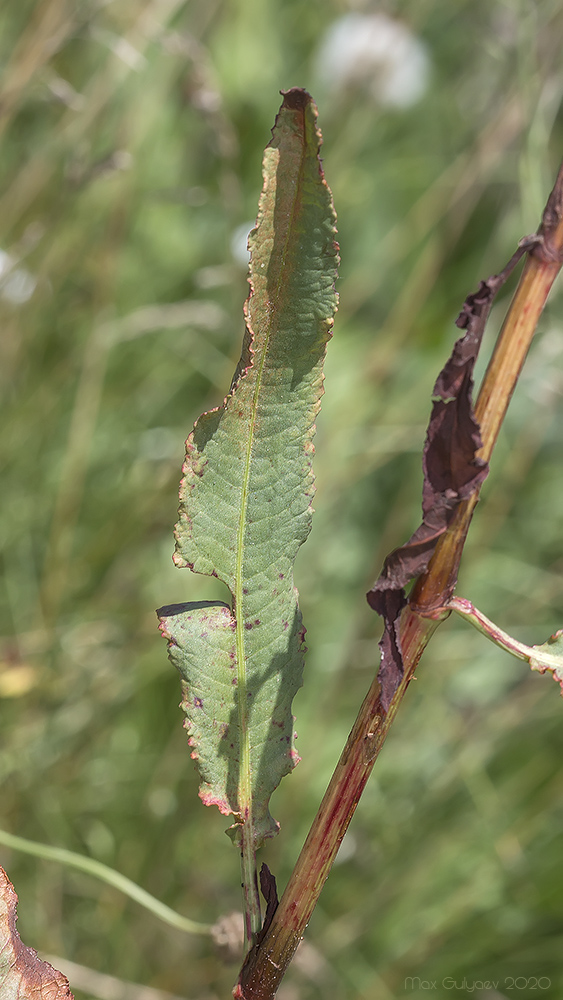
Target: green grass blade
(245, 499)
(108, 875)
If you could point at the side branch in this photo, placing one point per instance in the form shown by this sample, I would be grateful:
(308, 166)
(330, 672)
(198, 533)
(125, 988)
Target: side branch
(546, 656)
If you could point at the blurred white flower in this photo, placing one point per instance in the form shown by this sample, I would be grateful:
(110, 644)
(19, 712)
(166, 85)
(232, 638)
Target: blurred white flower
(377, 53)
(16, 284)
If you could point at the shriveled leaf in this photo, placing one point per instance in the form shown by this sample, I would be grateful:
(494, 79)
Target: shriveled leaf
(452, 473)
(270, 894)
(549, 656)
(245, 499)
(23, 975)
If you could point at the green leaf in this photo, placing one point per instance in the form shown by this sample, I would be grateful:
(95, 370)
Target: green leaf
(245, 499)
(549, 656)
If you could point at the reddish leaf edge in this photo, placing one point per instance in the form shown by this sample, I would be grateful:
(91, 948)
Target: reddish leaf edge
(452, 470)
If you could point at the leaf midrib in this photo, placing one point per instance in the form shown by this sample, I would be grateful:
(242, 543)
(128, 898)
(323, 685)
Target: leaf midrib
(245, 783)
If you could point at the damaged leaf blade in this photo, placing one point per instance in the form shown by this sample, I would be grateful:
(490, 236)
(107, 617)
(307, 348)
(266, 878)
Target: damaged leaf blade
(453, 471)
(23, 975)
(245, 499)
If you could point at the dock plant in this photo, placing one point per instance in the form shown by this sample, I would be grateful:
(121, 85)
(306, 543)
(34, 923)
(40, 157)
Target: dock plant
(245, 509)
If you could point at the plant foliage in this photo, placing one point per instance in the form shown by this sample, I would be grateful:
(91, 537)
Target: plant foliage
(245, 499)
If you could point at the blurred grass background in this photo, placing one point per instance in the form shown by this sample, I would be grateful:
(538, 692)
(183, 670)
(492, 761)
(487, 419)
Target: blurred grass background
(132, 136)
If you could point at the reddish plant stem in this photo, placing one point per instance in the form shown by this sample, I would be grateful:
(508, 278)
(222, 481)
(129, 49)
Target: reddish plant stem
(266, 964)
(263, 970)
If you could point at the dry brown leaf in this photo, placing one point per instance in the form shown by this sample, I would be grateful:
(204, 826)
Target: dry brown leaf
(23, 975)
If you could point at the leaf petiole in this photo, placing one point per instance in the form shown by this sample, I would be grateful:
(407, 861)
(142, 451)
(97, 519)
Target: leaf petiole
(251, 896)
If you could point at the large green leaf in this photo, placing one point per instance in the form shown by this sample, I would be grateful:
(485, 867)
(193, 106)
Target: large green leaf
(245, 499)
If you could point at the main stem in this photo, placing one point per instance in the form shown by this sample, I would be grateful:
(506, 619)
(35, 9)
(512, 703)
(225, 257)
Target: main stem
(266, 964)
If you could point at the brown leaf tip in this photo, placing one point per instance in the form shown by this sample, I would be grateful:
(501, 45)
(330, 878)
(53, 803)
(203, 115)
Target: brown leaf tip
(296, 99)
